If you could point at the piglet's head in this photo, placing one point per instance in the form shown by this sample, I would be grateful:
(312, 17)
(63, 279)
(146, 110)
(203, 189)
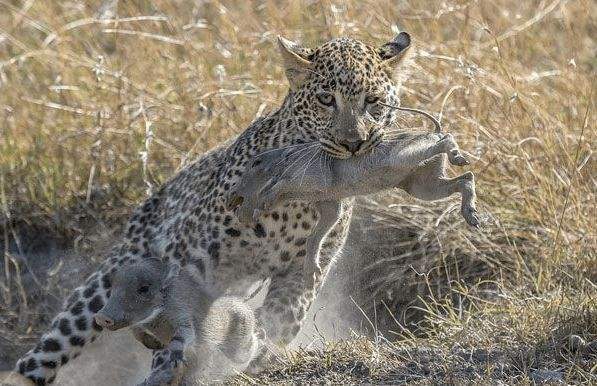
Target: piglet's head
(136, 295)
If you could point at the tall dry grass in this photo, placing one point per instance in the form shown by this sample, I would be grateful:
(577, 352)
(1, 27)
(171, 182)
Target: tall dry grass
(100, 101)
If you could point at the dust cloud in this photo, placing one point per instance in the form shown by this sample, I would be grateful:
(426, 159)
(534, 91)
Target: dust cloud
(116, 358)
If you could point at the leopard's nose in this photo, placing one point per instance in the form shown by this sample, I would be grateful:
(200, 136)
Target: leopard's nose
(353, 146)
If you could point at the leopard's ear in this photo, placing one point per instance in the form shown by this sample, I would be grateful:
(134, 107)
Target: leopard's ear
(296, 64)
(393, 52)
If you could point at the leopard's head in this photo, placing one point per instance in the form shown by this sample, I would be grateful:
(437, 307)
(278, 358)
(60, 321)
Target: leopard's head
(338, 91)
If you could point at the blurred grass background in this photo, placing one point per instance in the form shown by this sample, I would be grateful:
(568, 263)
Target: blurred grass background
(100, 101)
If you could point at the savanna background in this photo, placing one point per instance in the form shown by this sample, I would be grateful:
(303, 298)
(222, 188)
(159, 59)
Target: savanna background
(101, 101)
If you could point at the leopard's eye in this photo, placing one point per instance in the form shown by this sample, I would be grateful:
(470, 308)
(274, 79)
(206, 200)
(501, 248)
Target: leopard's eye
(326, 99)
(371, 99)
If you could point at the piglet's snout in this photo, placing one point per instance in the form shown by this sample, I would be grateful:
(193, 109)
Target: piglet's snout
(104, 321)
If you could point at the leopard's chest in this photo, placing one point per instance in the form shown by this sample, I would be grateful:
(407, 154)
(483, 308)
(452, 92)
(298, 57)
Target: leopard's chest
(277, 240)
(229, 256)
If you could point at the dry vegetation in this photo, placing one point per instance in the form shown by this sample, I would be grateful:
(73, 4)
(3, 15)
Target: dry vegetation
(102, 100)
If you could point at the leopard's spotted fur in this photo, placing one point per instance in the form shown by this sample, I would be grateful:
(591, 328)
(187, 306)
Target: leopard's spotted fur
(189, 222)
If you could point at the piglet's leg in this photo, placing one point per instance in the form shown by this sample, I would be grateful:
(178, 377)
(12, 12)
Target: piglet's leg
(170, 364)
(430, 183)
(465, 185)
(410, 151)
(147, 339)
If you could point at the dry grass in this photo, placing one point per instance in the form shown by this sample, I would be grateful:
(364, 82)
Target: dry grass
(98, 108)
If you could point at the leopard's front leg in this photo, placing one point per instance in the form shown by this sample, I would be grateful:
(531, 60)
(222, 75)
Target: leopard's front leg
(329, 212)
(73, 329)
(282, 313)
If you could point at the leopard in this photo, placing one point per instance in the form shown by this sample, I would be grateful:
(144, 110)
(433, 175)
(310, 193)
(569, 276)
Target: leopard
(333, 89)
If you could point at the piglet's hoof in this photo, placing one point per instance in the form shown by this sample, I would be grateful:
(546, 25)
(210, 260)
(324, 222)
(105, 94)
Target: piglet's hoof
(457, 158)
(471, 216)
(159, 378)
(168, 368)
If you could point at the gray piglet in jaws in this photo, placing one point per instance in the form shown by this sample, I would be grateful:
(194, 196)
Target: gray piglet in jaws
(415, 162)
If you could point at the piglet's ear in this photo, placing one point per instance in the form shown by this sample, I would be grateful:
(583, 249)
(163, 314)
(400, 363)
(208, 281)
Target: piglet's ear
(394, 51)
(172, 272)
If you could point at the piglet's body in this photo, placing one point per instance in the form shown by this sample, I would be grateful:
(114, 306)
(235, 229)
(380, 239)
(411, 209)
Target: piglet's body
(178, 317)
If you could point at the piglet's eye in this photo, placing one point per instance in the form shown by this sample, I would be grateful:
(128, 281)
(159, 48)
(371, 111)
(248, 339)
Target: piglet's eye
(144, 289)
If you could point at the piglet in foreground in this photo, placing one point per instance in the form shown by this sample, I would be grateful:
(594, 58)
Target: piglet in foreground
(174, 315)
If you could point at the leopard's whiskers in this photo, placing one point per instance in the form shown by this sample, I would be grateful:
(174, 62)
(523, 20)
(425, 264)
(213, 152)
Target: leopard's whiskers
(301, 154)
(304, 156)
(311, 160)
(296, 150)
(321, 162)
